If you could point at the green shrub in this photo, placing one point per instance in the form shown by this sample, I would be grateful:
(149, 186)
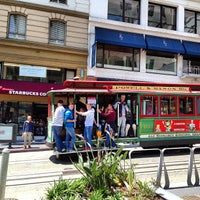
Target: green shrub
(104, 178)
(67, 190)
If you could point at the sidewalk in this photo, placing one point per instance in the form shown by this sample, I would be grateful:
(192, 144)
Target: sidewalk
(37, 145)
(186, 193)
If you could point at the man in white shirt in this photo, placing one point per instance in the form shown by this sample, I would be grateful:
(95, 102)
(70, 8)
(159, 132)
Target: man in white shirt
(89, 120)
(57, 125)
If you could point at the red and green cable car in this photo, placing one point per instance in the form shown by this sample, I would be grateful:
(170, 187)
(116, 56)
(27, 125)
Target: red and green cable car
(164, 114)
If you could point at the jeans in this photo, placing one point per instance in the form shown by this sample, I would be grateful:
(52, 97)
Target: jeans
(57, 136)
(70, 138)
(88, 135)
(109, 137)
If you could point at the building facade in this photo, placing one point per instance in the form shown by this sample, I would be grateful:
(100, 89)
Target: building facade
(41, 45)
(145, 40)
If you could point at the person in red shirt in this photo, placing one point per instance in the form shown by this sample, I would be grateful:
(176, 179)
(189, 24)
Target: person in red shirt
(110, 127)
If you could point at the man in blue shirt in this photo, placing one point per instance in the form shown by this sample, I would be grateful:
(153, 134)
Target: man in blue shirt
(69, 121)
(28, 129)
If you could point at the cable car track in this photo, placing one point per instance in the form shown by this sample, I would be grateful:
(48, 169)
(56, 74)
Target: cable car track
(48, 173)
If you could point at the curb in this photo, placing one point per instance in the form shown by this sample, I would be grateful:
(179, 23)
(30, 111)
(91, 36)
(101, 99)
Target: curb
(21, 149)
(167, 195)
(39, 144)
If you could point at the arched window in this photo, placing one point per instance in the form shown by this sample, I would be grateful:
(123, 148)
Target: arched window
(57, 32)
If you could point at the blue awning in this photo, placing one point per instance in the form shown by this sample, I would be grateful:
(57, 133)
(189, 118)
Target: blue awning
(192, 48)
(121, 38)
(164, 44)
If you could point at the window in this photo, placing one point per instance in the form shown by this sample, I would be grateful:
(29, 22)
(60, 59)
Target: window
(17, 27)
(191, 65)
(1, 70)
(149, 105)
(9, 112)
(161, 62)
(192, 21)
(59, 1)
(198, 105)
(57, 32)
(117, 57)
(168, 105)
(186, 105)
(70, 74)
(125, 11)
(162, 16)
(53, 75)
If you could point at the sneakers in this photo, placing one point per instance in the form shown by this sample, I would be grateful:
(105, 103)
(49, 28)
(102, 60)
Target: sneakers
(107, 148)
(26, 147)
(71, 151)
(63, 150)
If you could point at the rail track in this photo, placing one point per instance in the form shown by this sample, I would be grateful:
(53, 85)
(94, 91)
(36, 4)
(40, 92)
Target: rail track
(47, 169)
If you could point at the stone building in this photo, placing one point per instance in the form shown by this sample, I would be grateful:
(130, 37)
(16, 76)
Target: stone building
(41, 45)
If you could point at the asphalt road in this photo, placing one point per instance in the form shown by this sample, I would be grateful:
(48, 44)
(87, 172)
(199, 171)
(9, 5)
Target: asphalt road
(30, 174)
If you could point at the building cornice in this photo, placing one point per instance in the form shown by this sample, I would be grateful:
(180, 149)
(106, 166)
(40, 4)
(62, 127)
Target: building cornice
(41, 46)
(45, 8)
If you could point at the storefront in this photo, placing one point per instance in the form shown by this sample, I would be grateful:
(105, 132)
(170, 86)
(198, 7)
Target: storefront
(20, 98)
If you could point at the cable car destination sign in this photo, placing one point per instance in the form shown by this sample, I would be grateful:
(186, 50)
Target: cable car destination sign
(151, 88)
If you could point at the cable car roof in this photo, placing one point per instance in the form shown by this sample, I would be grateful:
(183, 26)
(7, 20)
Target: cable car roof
(93, 86)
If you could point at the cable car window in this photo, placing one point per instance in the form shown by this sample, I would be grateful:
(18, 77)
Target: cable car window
(198, 106)
(168, 105)
(149, 105)
(186, 105)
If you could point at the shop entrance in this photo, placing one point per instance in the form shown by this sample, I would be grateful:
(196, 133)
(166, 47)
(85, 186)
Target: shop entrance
(16, 112)
(40, 118)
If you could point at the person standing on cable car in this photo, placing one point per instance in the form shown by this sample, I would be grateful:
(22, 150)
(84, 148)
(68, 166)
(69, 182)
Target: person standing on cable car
(57, 125)
(89, 121)
(69, 126)
(110, 127)
(123, 109)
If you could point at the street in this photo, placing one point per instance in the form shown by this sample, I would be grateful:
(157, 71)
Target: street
(31, 173)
